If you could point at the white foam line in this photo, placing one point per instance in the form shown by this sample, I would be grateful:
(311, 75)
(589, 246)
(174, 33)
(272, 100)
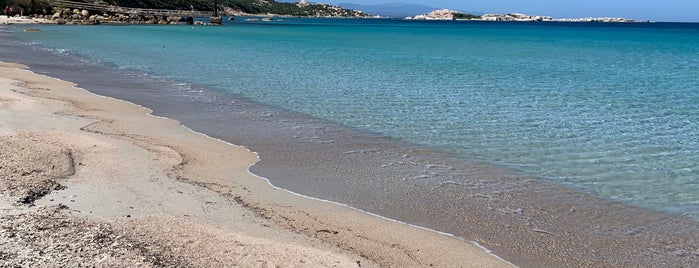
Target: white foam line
(486, 250)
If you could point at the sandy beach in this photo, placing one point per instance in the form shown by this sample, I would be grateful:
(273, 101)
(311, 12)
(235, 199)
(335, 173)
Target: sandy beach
(22, 20)
(90, 180)
(86, 179)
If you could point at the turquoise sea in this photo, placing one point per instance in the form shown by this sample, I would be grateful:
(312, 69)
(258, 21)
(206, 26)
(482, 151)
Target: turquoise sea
(609, 109)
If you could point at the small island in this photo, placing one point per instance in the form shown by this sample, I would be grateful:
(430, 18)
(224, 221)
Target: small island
(446, 14)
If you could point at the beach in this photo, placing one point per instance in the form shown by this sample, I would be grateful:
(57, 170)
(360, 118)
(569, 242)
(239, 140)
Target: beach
(163, 172)
(22, 20)
(152, 192)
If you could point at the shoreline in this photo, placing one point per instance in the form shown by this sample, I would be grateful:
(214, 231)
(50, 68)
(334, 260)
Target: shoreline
(377, 240)
(23, 20)
(29, 20)
(511, 215)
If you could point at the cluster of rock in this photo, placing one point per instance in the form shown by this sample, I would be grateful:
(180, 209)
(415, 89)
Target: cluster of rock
(514, 17)
(77, 16)
(524, 17)
(439, 14)
(331, 11)
(446, 14)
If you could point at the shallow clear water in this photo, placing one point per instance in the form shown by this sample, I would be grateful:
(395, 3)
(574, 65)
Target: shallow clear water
(612, 109)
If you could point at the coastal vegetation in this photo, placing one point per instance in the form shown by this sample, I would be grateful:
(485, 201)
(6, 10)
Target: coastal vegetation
(241, 6)
(464, 16)
(28, 6)
(231, 7)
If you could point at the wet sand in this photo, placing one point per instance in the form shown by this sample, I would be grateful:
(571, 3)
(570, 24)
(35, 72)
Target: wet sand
(152, 192)
(529, 221)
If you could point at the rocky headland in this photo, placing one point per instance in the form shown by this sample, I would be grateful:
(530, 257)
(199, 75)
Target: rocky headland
(148, 12)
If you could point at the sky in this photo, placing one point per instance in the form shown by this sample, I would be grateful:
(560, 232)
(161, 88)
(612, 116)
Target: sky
(656, 10)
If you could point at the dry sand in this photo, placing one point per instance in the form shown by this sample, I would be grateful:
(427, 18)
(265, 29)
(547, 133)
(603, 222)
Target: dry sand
(22, 20)
(90, 180)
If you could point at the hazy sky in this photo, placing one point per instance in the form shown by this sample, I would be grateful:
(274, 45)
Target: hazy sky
(658, 10)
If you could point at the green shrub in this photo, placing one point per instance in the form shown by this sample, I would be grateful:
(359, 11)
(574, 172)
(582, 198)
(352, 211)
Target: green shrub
(462, 16)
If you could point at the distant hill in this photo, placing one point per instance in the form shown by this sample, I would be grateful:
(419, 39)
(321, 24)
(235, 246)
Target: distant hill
(397, 10)
(238, 6)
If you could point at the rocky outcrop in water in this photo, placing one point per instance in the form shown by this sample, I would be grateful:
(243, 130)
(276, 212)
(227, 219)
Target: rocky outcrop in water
(514, 17)
(446, 14)
(440, 14)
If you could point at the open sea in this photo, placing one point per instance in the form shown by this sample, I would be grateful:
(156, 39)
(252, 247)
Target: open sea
(553, 144)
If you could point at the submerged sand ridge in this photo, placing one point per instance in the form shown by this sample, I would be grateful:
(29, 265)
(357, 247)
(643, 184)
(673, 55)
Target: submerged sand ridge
(111, 186)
